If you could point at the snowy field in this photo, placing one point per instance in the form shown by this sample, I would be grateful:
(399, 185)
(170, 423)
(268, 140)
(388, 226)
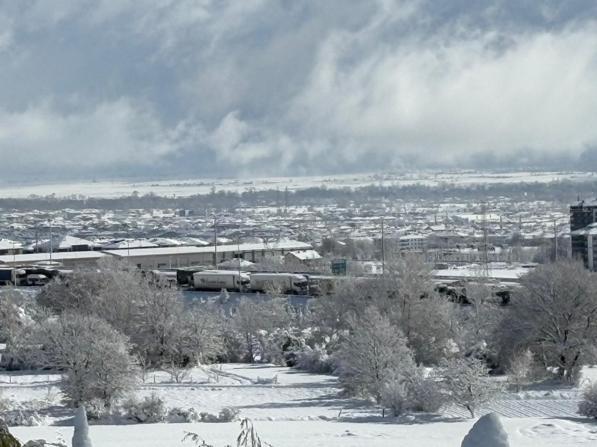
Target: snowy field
(112, 189)
(301, 409)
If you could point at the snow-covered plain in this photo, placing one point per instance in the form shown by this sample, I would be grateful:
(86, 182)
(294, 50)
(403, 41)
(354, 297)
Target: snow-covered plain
(303, 409)
(188, 187)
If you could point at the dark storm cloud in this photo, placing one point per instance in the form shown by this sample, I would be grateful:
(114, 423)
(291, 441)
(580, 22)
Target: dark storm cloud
(183, 87)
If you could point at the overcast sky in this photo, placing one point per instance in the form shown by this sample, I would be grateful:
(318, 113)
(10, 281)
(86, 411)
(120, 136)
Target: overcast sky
(109, 88)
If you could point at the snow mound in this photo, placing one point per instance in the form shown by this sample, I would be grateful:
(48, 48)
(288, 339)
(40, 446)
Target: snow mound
(81, 433)
(487, 432)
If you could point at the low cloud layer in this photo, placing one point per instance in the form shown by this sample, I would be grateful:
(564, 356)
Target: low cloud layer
(265, 87)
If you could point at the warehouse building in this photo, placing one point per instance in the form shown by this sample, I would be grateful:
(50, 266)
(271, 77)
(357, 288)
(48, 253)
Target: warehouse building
(174, 257)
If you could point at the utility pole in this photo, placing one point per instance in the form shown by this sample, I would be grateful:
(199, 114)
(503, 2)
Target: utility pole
(238, 258)
(555, 240)
(51, 242)
(485, 240)
(383, 249)
(215, 243)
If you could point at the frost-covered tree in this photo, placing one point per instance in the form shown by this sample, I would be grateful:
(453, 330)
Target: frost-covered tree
(93, 357)
(373, 353)
(111, 292)
(252, 317)
(11, 315)
(435, 330)
(555, 315)
(468, 384)
(588, 404)
(520, 369)
(479, 318)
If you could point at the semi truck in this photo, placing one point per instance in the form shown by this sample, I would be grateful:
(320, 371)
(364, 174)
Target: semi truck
(221, 279)
(287, 283)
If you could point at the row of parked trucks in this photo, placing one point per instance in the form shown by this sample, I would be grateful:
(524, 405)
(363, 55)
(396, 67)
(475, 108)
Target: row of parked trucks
(265, 282)
(194, 277)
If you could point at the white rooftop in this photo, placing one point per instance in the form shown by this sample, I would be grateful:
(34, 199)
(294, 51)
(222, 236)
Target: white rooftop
(31, 258)
(172, 251)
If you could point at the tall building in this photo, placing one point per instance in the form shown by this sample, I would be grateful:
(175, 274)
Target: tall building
(583, 232)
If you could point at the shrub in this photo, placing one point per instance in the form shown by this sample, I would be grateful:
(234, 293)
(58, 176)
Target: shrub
(24, 418)
(394, 395)
(149, 410)
(588, 404)
(177, 414)
(314, 360)
(225, 415)
(427, 394)
(267, 381)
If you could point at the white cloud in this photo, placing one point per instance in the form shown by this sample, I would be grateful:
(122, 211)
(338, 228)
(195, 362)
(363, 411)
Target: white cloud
(105, 135)
(272, 87)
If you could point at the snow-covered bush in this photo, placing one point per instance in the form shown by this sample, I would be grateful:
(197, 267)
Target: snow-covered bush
(225, 415)
(267, 381)
(24, 418)
(149, 410)
(5, 403)
(426, 394)
(177, 414)
(588, 404)
(394, 395)
(314, 360)
(468, 384)
(96, 409)
(521, 368)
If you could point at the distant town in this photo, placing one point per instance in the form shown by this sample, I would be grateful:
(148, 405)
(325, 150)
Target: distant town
(465, 229)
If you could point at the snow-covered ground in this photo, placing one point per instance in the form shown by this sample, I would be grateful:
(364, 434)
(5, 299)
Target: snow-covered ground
(189, 187)
(302, 409)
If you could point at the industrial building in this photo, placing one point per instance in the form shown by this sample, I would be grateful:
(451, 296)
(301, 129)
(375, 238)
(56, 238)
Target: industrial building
(163, 257)
(583, 229)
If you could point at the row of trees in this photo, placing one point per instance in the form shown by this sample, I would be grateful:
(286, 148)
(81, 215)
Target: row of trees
(102, 328)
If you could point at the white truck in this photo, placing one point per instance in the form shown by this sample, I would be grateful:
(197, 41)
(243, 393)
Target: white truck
(281, 282)
(221, 279)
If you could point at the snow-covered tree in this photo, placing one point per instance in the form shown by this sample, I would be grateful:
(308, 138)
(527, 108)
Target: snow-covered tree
(555, 315)
(434, 330)
(11, 316)
(93, 357)
(81, 432)
(520, 369)
(373, 353)
(588, 404)
(252, 317)
(468, 384)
